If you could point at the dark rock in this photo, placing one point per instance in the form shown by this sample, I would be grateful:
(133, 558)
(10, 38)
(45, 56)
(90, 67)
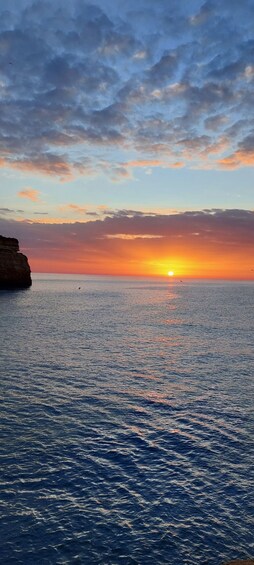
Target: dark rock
(14, 268)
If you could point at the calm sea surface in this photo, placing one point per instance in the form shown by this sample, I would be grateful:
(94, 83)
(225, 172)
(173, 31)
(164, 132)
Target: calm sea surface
(127, 422)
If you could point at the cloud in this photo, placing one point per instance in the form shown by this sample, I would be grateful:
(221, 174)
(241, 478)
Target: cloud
(144, 163)
(215, 122)
(41, 213)
(148, 165)
(74, 208)
(237, 160)
(205, 12)
(8, 211)
(127, 236)
(164, 70)
(120, 173)
(140, 55)
(30, 194)
(46, 164)
(104, 81)
(242, 157)
(206, 243)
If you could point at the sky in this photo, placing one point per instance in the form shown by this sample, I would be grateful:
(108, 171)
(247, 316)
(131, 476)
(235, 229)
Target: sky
(127, 136)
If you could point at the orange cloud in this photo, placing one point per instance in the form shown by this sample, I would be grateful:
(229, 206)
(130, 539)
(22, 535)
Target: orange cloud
(129, 236)
(45, 220)
(144, 163)
(74, 208)
(238, 159)
(153, 163)
(218, 147)
(30, 193)
(177, 165)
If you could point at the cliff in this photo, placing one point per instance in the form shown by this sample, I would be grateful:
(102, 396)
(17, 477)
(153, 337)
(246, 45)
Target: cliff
(14, 268)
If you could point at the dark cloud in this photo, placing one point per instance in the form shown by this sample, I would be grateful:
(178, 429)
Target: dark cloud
(5, 211)
(164, 70)
(201, 17)
(247, 144)
(127, 213)
(215, 122)
(228, 227)
(138, 75)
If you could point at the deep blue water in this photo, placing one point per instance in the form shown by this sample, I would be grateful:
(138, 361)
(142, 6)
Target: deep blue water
(127, 419)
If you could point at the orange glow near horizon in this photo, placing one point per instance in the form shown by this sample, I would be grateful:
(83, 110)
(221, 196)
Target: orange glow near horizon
(196, 267)
(198, 245)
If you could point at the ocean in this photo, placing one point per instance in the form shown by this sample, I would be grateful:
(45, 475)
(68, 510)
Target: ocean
(127, 422)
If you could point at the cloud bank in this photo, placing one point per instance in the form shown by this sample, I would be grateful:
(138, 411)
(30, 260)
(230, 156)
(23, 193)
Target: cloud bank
(212, 243)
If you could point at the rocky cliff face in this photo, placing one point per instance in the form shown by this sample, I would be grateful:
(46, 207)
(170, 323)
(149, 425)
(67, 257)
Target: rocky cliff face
(14, 268)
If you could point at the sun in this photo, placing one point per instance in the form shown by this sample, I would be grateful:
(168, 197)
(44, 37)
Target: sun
(171, 273)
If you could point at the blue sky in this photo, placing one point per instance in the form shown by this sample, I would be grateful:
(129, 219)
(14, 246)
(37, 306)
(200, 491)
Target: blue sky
(128, 103)
(125, 105)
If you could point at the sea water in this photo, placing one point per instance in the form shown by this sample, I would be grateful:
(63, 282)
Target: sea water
(127, 422)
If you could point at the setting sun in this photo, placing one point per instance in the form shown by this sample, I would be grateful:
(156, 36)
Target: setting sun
(171, 273)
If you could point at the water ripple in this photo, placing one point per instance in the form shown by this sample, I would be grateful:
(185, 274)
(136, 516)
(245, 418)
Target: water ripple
(127, 420)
